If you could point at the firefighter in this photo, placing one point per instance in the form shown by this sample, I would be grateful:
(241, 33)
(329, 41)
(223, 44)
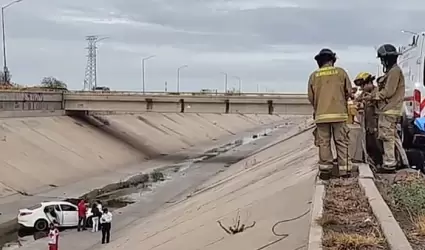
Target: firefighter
(329, 89)
(352, 107)
(389, 98)
(374, 149)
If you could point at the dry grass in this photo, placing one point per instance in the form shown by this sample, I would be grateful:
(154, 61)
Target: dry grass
(347, 219)
(326, 220)
(342, 241)
(420, 225)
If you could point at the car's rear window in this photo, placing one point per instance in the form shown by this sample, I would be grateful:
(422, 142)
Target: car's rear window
(34, 207)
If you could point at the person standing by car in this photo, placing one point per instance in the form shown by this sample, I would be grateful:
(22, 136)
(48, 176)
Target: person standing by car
(106, 221)
(51, 214)
(96, 214)
(53, 237)
(99, 207)
(82, 211)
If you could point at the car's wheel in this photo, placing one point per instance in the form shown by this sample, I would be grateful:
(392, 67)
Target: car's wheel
(89, 221)
(41, 225)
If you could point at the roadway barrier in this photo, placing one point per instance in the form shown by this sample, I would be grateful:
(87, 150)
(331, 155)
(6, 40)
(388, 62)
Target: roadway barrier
(132, 102)
(186, 102)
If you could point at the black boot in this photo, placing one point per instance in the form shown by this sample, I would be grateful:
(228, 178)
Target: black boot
(325, 172)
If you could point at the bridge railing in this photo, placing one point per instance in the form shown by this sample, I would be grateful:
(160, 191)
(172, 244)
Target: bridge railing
(247, 94)
(47, 90)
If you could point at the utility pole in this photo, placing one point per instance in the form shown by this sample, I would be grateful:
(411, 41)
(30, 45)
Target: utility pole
(6, 74)
(225, 82)
(143, 71)
(240, 84)
(90, 78)
(178, 76)
(90, 75)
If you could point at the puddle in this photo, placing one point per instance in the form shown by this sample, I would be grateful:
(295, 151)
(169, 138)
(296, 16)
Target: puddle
(174, 172)
(138, 188)
(21, 238)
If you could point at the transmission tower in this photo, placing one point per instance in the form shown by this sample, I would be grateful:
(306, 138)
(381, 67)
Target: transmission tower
(90, 76)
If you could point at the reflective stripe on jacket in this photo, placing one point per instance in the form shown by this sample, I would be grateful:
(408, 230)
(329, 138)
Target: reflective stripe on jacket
(331, 118)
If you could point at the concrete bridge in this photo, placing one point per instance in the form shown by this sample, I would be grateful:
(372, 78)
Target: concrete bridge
(258, 103)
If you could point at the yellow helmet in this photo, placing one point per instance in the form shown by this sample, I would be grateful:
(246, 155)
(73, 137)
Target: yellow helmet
(362, 78)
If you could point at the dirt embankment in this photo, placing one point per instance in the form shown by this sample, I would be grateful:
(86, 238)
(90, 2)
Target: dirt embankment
(45, 152)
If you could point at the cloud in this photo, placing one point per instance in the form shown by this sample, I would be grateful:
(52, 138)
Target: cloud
(268, 43)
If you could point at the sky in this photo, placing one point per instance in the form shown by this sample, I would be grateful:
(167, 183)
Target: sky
(268, 44)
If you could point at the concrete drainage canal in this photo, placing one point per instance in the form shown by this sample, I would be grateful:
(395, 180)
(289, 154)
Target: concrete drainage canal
(160, 186)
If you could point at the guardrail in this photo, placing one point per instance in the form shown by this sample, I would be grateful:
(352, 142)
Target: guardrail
(40, 90)
(185, 93)
(15, 100)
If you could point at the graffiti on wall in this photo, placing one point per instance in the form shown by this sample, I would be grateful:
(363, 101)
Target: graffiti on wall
(28, 101)
(33, 97)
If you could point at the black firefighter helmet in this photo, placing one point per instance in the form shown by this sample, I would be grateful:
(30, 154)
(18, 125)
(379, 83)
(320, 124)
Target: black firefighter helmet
(387, 50)
(325, 53)
(388, 54)
(325, 56)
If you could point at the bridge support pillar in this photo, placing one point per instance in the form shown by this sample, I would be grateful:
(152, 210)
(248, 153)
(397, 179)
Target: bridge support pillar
(181, 105)
(149, 104)
(270, 106)
(227, 103)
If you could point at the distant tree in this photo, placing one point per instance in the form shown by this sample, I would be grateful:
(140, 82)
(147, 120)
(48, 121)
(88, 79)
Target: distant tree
(2, 77)
(53, 83)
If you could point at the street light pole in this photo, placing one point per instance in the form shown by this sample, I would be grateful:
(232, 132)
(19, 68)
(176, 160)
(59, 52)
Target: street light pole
(409, 32)
(225, 82)
(143, 71)
(178, 76)
(5, 69)
(240, 84)
(95, 59)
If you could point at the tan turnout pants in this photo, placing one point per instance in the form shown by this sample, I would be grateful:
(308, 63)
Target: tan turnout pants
(387, 134)
(338, 131)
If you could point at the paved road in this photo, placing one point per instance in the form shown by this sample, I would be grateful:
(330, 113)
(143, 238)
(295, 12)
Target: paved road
(272, 185)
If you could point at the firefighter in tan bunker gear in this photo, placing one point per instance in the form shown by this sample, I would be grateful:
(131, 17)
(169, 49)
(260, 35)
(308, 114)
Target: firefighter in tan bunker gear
(389, 98)
(329, 88)
(374, 149)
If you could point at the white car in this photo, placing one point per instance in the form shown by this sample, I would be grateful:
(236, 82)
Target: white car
(41, 215)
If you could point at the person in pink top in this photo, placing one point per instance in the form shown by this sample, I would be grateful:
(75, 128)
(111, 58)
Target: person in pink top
(82, 210)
